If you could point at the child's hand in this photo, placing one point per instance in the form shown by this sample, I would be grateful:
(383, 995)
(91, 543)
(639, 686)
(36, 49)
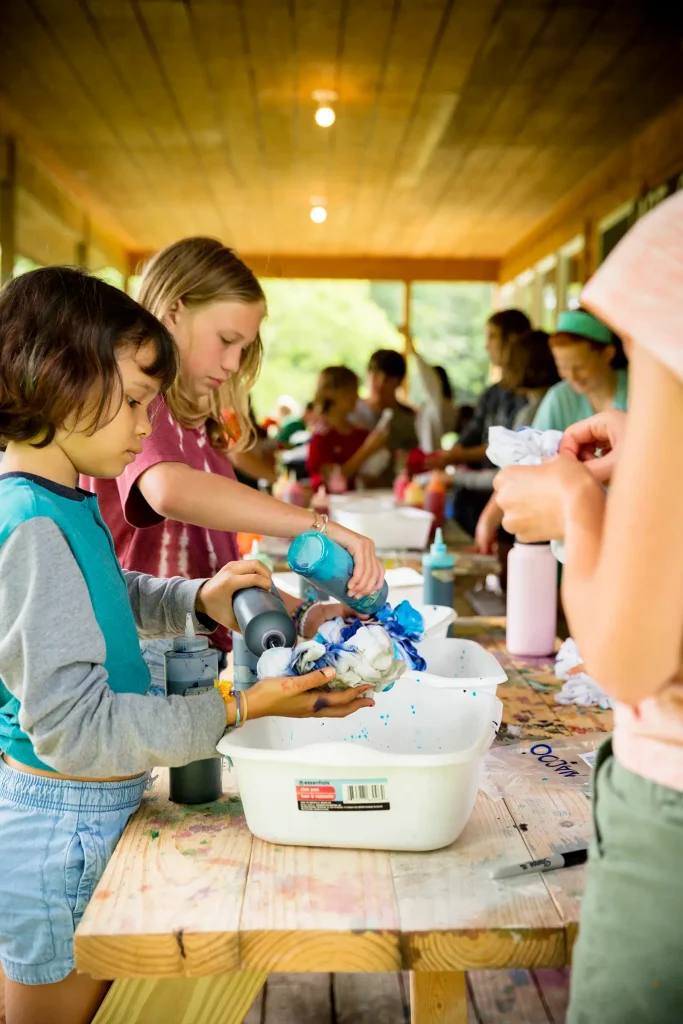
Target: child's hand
(605, 431)
(299, 697)
(368, 571)
(320, 613)
(215, 596)
(534, 498)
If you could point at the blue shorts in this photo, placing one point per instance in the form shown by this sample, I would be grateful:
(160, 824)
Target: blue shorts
(55, 840)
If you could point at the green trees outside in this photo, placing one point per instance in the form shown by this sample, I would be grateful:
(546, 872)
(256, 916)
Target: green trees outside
(312, 324)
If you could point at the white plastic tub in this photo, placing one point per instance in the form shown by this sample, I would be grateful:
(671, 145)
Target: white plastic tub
(405, 584)
(390, 528)
(400, 776)
(437, 619)
(453, 663)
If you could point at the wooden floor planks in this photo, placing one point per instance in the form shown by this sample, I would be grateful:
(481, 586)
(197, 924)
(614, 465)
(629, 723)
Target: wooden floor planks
(493, 997)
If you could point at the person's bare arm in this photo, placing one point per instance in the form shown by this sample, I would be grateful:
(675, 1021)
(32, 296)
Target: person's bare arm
(459, 455)
(623, 581)
(488, 524)
(176, 491)
(254, 465)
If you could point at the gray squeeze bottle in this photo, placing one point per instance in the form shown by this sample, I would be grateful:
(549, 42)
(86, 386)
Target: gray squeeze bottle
(264, 623)
(190, 667)
(438, 569)
(329, 567)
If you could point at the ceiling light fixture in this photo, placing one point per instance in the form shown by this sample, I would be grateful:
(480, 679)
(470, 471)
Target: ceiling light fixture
(325, 115)
(318, 212)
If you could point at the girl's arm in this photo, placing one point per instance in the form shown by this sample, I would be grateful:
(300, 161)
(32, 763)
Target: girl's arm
(176, 491)
(623, 582)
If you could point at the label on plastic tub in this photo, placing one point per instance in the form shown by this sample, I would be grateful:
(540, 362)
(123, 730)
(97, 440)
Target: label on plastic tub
(342, 794)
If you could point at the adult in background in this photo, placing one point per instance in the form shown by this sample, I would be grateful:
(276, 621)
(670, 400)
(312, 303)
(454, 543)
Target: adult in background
(592, 364)
(497, 407)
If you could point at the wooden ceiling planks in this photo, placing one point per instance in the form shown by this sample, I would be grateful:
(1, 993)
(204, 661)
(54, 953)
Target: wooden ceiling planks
(461, 123)
(412, 47)
(519, 160)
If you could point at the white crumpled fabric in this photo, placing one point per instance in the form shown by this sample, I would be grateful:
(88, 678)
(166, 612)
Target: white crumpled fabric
(579, 688)
(525, 447)
(367, 657)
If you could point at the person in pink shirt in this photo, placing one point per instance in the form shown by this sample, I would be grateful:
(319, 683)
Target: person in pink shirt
(623, 593)
(176, 508)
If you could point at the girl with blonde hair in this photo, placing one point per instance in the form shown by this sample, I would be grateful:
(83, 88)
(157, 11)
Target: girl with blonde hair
(175, 509)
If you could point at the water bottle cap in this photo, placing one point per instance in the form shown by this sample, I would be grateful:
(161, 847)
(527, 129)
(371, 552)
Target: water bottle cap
(190, 643)
(438, 545)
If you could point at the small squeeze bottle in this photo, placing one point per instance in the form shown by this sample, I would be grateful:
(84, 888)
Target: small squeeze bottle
(329, 567)
(438, 569)
(190, 667)
(435, 499)
(414, 495)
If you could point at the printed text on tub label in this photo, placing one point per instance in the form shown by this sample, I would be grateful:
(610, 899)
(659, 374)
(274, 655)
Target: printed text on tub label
(342, 794)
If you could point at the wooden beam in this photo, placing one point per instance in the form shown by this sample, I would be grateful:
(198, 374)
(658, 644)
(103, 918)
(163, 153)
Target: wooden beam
(8, 199)
(15, 123)
(373, 268)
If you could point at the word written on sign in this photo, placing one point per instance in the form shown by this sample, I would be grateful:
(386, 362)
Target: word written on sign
(545, 755)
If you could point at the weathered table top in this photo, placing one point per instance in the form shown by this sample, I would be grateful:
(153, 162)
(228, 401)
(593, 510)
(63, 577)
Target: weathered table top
(190, 892)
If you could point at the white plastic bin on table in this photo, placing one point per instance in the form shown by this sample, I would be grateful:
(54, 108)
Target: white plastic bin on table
(453, 663)
(403, 775)
(391, 527)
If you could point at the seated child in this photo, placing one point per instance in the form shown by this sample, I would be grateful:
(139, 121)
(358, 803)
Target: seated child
(337, 441)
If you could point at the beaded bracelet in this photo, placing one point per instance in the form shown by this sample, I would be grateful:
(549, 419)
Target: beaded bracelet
(300, 614)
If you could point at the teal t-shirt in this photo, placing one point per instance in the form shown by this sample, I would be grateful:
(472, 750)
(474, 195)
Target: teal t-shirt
(77, 515)
(563, 406)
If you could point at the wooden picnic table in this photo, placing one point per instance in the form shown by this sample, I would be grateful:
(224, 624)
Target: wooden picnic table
(193, 913)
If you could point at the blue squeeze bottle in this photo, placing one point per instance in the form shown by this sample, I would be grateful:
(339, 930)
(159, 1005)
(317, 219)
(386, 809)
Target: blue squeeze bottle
(190, 667)
(438, 569)
(329, 567)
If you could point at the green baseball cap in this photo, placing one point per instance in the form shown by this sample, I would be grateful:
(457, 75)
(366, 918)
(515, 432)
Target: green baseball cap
(585, 325)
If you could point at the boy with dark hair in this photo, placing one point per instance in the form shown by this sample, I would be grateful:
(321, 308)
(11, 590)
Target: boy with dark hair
(386, 372)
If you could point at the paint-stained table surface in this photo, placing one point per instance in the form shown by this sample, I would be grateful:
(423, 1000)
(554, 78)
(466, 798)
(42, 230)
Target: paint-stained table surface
(190, 893)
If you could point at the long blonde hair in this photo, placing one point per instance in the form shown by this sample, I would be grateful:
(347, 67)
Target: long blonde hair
(199, 271)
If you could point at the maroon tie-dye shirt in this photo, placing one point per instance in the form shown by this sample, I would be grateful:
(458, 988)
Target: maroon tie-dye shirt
(143, 539)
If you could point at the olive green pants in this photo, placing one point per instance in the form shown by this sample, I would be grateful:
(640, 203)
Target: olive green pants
(628, 961)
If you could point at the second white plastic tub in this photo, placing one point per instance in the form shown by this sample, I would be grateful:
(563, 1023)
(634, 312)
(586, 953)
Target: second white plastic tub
(453, 663)
(403, 775)
(391, 529)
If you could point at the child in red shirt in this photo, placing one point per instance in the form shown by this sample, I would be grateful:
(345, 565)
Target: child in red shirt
(337, 441)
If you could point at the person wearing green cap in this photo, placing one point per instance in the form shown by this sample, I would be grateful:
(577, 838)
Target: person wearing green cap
(591, 361)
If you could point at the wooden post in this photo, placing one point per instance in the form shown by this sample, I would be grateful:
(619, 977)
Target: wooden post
(8, 195)
(438, 998)
(406, 326)
(83, 246)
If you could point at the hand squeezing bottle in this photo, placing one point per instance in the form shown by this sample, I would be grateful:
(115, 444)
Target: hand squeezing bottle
(264, 623)
(190, 667)
(329, 567)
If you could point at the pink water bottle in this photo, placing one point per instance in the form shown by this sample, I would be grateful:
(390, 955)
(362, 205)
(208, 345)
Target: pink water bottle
(531, 600)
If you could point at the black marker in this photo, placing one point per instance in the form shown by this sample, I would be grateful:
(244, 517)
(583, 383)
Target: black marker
(557, 860)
